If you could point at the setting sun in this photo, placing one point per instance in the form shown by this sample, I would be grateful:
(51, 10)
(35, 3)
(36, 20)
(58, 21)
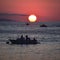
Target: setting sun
(32, 18)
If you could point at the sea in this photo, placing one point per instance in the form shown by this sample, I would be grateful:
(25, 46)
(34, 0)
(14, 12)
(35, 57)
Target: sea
(48, 37)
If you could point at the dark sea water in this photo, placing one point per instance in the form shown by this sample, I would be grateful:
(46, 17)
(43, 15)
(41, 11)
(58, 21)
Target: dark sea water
(49, 38)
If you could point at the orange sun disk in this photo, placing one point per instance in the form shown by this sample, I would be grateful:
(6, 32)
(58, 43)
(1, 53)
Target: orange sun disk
(32, 18)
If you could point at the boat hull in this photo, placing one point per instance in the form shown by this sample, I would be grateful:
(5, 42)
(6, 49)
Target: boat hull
(23, 42)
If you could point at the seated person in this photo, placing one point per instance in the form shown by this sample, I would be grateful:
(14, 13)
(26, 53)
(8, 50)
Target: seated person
(22, 38)
(27, 38)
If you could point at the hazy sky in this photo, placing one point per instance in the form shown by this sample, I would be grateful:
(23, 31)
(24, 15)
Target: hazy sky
(47, 9)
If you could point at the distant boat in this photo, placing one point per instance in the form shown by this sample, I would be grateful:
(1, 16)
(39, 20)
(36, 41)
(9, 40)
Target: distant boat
(22, 41)
(27, 23)
(43, 25)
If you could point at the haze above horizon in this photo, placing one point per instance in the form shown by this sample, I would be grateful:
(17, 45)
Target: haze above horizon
(45, 10)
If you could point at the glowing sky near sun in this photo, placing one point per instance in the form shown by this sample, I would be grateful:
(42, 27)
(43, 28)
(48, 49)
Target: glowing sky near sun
(42, 8)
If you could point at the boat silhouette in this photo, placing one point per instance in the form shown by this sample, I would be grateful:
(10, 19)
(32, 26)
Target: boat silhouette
(43, 25)
(22, 40)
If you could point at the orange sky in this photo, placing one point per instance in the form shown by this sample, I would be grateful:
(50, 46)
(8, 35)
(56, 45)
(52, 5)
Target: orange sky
(42, 8)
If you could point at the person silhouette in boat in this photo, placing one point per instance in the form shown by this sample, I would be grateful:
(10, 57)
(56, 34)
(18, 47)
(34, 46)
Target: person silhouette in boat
(34, 40)
(27, 39)
(22, 38)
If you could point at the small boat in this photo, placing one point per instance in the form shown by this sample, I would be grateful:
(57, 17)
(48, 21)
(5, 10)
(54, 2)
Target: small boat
(27, 24)
(22, 41)
(43, 25)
